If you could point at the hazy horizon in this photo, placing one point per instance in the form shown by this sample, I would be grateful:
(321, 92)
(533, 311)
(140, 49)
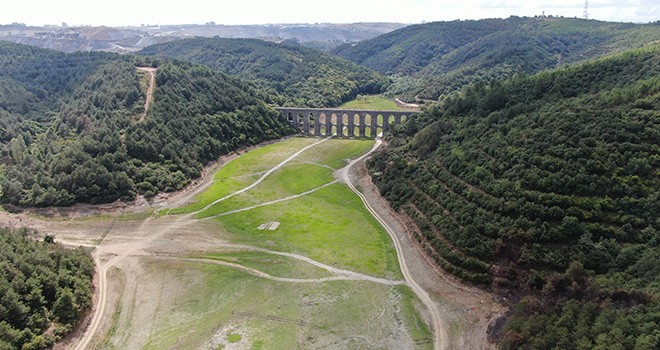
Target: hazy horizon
(122, 13)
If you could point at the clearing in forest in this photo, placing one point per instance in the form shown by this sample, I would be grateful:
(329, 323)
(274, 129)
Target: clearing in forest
(149, 80)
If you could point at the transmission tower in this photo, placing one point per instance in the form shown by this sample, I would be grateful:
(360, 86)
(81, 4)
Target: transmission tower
(585, 14)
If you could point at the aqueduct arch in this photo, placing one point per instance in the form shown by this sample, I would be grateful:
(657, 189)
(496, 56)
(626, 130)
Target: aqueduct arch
(342, 122)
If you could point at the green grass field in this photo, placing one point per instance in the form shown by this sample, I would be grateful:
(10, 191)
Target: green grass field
(330, 225)
(373, 102)
(292, 179)
(308, 171)
(335, 152)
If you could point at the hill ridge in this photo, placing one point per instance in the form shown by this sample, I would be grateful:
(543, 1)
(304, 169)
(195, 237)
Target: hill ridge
(302, 76)
(432, 59)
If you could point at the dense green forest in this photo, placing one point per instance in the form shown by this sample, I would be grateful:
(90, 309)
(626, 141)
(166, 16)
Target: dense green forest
(303, 76)
(546, 189)
(69, 127)
(45, 289)
(429, 60)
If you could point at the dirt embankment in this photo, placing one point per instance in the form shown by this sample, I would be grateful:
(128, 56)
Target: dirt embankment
(465, 310)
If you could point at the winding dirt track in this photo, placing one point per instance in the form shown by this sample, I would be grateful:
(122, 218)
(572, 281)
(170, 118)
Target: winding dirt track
(339, 275)
(339, 272)
(102, 268)
(439, 330)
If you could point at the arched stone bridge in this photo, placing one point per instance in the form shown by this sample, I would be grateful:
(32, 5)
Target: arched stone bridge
(342, 122)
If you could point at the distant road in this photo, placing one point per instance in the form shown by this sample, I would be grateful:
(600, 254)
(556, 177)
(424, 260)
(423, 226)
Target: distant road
(406, 105)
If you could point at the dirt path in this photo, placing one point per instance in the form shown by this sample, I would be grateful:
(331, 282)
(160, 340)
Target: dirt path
(150, 90)
(125, 249)
(402, 104)
(466, 311)
(138, 248)
(340, 275)
(261, 179)
(294, 196)
(340, 272)
(438, 327)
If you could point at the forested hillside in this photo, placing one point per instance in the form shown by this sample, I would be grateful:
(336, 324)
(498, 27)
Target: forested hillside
(45, 289)
(304, 76)
(70, 133)
(546, 189)
(429, 60)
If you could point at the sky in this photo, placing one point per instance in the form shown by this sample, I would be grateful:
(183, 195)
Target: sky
(153, 12)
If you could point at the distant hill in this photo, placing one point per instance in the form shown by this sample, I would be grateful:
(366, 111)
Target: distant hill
(436, 58)
(69, 128)
(303, 32)
(324, 36)
(544, 188)
(304, 76)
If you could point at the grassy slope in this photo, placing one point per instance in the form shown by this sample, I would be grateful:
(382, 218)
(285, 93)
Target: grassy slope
(278, 185)
(238, 174)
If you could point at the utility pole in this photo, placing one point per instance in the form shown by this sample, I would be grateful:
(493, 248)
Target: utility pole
(585, 14)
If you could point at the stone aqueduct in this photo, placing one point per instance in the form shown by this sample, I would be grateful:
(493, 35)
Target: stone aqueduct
(342, 122)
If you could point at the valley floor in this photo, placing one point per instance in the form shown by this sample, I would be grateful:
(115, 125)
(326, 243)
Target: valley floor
(275, 252)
